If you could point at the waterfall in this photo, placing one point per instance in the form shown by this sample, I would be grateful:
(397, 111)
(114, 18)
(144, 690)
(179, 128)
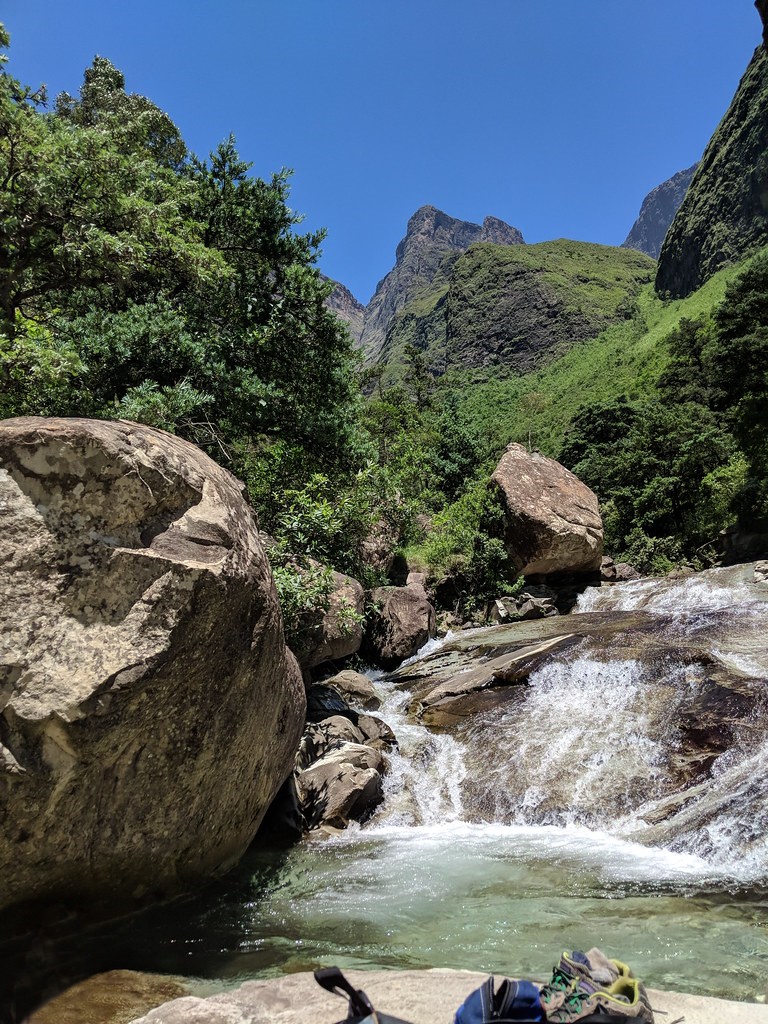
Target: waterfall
(609, 738)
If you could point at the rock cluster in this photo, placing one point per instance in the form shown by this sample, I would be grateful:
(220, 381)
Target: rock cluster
(342, 760)
(150, 709)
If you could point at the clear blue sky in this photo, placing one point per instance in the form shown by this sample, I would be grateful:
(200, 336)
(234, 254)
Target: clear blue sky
(556, 115)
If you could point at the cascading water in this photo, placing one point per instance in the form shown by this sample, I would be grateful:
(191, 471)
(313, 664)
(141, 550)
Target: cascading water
(559, 820)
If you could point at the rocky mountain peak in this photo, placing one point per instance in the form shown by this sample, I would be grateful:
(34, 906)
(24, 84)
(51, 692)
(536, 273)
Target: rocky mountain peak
(343, 303)
(762, 10)
(433, 241)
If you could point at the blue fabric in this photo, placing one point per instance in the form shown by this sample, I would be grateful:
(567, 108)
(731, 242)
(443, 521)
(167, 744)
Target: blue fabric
(516, 1001)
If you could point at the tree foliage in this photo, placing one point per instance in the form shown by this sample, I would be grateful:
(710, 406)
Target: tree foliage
(137, 280)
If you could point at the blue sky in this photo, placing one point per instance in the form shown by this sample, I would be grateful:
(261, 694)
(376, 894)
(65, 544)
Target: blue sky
(556, 115)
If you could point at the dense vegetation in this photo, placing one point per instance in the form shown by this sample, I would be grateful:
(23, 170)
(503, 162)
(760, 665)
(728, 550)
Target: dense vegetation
(139, 281)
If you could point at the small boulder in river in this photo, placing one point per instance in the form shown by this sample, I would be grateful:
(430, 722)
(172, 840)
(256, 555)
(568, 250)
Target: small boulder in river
(402, 623)
(150, 707)
(553, 522)
(357, 688)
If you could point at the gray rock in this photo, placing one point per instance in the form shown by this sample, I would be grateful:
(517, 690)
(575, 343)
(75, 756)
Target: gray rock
(343, 303)
(377, 733)
(761, 572)
(416, 579)
(657, 213)
(335, 792)
(403, 623)
(553, 522)
(144, 670)
(423, 997)
(338, 632)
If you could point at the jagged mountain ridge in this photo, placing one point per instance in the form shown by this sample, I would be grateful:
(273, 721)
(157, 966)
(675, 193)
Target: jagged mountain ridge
(343, 303)
(657, 213)
(423, 259)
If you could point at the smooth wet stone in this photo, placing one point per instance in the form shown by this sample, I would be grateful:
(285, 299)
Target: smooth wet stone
(421, 997)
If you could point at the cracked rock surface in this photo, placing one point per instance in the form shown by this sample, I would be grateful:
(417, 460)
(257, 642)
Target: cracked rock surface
(149, 709)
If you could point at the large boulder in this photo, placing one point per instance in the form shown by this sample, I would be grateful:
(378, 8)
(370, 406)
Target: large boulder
(402, 622)
(150, 710)
(338, 631)
(553, 522)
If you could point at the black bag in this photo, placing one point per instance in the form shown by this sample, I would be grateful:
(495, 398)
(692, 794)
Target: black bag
(360, 1010)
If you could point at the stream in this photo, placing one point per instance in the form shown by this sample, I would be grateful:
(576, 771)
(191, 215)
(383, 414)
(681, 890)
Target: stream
(553, 820)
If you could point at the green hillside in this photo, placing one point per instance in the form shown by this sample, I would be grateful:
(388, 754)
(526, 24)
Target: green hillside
(624, 359)
(517, 306)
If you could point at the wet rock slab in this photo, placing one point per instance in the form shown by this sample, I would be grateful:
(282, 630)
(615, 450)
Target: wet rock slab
(422, 997)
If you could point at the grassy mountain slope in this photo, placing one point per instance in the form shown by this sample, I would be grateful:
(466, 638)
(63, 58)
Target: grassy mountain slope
(624, 359)
(517, 306)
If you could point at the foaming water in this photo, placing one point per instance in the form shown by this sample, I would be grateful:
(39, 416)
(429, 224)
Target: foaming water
(714, 590)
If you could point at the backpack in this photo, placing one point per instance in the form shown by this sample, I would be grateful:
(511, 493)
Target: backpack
(360, 1010)
(516, 1002)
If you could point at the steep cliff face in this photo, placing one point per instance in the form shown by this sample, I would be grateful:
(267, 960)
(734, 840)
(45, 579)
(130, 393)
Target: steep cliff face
(343, 303)
(423, 262)
(725, 212)
(657, 213)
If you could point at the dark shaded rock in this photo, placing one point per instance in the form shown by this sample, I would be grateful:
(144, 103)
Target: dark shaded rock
(725, 212)
(553, 522)
(762, 10)
(744, 543)
(145, 674)
(657, 213)
(403, 622)
(325, 701)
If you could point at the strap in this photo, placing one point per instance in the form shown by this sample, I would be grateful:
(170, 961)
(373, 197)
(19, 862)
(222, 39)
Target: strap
(332, 980)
